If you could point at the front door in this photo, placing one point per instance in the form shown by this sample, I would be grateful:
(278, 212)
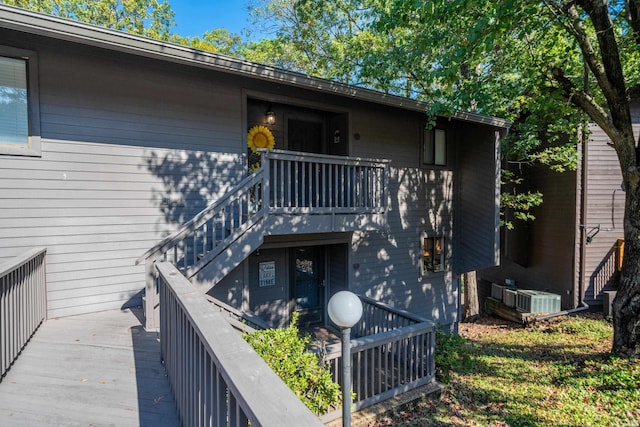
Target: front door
(305, 135)
(308, 284)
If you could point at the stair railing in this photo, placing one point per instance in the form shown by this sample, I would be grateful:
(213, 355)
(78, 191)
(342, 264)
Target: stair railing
(205, 236)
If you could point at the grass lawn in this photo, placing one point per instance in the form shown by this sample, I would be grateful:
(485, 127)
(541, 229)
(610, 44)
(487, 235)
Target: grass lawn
(556, 373)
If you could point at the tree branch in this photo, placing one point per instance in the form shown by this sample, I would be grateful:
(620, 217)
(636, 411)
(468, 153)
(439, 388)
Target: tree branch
(609, 52)
(585, 102)
(632, 15)
(589, 53)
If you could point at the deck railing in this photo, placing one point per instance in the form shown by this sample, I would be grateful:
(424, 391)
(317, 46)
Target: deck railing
(23, 303)
(216, 378)
(378, 317)
(387, 359)
(320, 183)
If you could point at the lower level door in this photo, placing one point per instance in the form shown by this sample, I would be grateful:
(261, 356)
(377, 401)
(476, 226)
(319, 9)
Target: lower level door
(308, 284)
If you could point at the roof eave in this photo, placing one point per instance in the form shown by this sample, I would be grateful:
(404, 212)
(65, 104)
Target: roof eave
(64, 29)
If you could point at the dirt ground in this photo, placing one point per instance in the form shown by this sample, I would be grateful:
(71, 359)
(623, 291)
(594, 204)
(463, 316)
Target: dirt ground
(494, 325)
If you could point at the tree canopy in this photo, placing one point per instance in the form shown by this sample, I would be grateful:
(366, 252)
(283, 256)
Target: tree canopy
(546, 65)
(144, 17)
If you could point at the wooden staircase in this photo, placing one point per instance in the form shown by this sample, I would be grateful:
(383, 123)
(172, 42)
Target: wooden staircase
(291, 193)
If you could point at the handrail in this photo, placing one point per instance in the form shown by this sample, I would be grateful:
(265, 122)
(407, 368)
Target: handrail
(239, 320)
(309, 183)
(397, 311)
(320, 158)
(201, 217)
(216, 377)
(23, 303)
(378, 317)
(12, 264)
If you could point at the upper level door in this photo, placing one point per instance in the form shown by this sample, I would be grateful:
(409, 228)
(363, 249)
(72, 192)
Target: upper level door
(306, 136)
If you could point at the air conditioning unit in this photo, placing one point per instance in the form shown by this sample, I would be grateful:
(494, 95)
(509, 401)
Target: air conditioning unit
(496, 291)
(509, 297)
(537, 302)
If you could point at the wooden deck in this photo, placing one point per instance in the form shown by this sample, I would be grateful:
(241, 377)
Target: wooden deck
(100, 369)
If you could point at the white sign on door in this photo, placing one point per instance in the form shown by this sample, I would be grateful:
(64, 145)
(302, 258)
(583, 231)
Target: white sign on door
(267, 272)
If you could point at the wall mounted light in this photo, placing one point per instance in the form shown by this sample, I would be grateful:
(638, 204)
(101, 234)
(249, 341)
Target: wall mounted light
(336, 136)
(271, 117)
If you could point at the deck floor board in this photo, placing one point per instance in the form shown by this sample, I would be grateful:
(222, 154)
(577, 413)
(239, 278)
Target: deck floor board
(99, 369)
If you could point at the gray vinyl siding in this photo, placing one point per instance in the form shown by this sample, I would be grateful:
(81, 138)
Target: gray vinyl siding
(605, 208)
(130, 150)
(270, 303)
(385, 265)
(476, 234)
(551, 244)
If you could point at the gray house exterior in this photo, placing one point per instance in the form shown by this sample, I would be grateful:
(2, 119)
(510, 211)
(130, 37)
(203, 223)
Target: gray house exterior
(130, 138)
(572, 248)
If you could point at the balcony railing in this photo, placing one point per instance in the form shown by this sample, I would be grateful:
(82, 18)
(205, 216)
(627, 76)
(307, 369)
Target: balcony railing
(23, 303)
(318, 183)
(216, 378)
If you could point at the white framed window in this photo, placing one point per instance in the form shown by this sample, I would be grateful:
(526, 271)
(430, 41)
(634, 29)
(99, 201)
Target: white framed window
(433, 254)
(19, 104)
(434, 147)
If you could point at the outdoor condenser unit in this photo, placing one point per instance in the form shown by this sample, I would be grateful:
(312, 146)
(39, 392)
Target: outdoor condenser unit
(537, 302)
(496, 291)
(509, 297)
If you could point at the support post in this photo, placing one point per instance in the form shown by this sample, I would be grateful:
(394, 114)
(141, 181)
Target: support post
(346, 377)
(150, 296)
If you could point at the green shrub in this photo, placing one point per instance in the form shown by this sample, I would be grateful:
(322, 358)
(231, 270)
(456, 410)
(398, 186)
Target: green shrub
(452, 354)
(285, 351)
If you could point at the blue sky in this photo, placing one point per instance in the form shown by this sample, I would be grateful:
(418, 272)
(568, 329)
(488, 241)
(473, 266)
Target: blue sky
(194, 17)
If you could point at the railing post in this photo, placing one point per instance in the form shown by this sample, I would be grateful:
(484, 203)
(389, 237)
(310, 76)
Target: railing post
(150, 295)
(266, 183)
(385, 187)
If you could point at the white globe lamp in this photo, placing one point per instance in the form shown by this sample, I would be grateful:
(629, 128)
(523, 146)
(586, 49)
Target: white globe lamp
(345, 309)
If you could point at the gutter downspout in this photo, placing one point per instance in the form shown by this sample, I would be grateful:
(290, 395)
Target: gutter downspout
(584, 174)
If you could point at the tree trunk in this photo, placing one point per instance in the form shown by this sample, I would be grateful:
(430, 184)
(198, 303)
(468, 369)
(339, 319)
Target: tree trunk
(626, 305)
(471, 305)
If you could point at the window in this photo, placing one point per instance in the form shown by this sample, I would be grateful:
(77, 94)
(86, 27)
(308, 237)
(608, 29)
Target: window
(432, 254)
(19, 111)
(434, 147)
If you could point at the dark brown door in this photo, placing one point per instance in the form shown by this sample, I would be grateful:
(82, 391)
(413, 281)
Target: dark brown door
(305, 136)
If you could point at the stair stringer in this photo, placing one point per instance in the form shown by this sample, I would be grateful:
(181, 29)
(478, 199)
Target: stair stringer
(210, 274)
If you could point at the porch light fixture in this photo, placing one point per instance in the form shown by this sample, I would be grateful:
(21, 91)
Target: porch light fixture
(345, 310)
(271, 117)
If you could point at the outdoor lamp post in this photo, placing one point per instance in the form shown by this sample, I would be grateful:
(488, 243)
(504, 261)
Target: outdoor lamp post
(345, 309)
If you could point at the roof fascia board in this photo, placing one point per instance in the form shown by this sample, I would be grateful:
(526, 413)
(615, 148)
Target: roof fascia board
(73, 31)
